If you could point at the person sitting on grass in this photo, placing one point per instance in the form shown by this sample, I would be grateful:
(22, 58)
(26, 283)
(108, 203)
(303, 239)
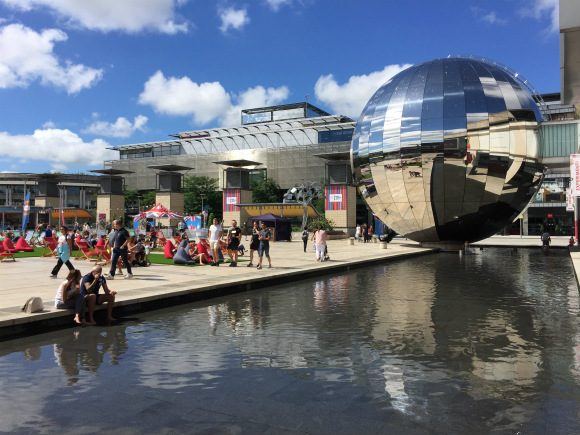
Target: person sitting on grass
(90, 285)
(139, 252)
(182, 255)
(203, 254)
(68, 296)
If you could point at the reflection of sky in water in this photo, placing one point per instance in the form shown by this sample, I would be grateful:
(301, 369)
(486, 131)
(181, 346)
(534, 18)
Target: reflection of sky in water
(490, 340)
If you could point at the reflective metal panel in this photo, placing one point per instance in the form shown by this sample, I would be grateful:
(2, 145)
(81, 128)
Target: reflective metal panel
(448, 151)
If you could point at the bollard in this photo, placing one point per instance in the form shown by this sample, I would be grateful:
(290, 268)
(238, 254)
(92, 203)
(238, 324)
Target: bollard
(384, 245)
(351, 241)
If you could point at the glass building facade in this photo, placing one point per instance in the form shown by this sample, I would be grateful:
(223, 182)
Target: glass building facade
(283, 139)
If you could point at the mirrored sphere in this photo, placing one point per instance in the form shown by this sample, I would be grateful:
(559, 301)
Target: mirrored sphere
(448, 150)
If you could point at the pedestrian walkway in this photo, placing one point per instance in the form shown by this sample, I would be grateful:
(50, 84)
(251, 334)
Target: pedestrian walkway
(162, 285)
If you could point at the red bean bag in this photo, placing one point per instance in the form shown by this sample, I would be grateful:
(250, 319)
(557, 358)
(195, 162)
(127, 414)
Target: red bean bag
(23, 246)
(168, 250)
(9, 246)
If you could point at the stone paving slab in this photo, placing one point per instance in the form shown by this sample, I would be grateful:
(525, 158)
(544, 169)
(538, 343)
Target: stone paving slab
(575, 257)
(521, 242)
(160, 283)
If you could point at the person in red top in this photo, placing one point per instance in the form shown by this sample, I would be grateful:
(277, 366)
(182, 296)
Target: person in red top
(203, 252)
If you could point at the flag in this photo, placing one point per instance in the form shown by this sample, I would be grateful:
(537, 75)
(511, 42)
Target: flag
(25, 212)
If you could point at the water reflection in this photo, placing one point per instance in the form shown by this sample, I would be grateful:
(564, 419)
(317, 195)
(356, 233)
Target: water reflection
(491, 339)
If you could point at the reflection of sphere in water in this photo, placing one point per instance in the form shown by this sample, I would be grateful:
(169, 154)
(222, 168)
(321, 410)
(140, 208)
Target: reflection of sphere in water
(448, 150)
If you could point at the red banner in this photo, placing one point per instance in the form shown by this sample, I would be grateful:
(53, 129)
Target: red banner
(335, 197)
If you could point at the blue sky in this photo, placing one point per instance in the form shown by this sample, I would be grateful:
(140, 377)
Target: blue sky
(79, 76)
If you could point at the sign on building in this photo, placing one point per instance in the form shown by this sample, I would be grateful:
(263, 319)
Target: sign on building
(575, 174)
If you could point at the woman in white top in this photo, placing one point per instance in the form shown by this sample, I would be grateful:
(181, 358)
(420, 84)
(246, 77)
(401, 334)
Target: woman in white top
(68, 296)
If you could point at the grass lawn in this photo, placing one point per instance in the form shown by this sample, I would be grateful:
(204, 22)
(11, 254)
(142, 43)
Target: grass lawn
(160, 259)
(39, 251)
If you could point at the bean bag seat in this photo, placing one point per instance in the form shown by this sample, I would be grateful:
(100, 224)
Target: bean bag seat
(168, 250)
(9, 246)
(23, 246)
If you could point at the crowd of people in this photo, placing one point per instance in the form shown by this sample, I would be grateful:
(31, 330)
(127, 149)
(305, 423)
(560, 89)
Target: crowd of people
(363, 233)
(121, 251)
(212, 250)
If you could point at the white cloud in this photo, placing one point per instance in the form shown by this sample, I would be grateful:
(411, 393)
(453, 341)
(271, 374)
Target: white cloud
(488, 17)
(204, 102)
(27, 56)
(60, 147)
(122, 127)
(492, 18)
(232, 18)
(181, 96)
(129, 16)
(539, 9)
(275, 5)
(349, 98)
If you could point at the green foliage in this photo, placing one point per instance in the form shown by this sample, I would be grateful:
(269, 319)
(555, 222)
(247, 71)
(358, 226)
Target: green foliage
(139, 200)
(320, 222)
(266, 190)
(131, 198)
(194, 187)
(147, 199)
(318, 205)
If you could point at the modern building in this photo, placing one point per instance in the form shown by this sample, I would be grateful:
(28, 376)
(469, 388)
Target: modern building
(291, 144)
(283, 141)
(75, 193)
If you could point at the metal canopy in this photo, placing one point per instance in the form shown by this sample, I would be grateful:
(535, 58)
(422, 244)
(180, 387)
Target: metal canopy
(237, 163)
(338, 156)
(170, 167)
(111, 171)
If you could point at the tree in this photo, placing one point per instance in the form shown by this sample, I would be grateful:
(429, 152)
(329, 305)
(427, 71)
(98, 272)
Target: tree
(135, 200)
(266, 190)
(195, 187)
(148, 199)
(320, 222)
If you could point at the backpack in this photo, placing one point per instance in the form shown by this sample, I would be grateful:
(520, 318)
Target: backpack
(33, 305)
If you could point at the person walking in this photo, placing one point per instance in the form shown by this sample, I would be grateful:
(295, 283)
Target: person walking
(234, 236)
(365, 233)
(264, 248)
(357, 233)
(255, 243)
(63, 252)
(119, 239)
(305, 238)
(215, 234)
(321, 237)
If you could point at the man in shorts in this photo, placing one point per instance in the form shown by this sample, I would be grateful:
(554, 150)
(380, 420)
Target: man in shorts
(234, 236)
(264, 248)
(91, 284)
(215, 234)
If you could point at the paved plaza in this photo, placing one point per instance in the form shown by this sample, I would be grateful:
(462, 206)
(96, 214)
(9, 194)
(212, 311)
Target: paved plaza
(30, 276)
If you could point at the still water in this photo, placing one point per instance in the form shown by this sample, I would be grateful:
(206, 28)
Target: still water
(436, 344)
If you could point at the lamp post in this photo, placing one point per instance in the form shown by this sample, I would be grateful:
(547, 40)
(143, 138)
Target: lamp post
(202, 196)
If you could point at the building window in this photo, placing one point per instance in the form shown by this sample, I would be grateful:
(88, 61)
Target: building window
(136, 154)
(335, 135)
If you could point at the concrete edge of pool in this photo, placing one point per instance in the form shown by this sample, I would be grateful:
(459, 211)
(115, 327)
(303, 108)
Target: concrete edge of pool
(181, 293)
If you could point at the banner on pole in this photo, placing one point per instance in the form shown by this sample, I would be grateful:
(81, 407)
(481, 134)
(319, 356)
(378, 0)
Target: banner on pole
(569, 200)
(25, 212)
